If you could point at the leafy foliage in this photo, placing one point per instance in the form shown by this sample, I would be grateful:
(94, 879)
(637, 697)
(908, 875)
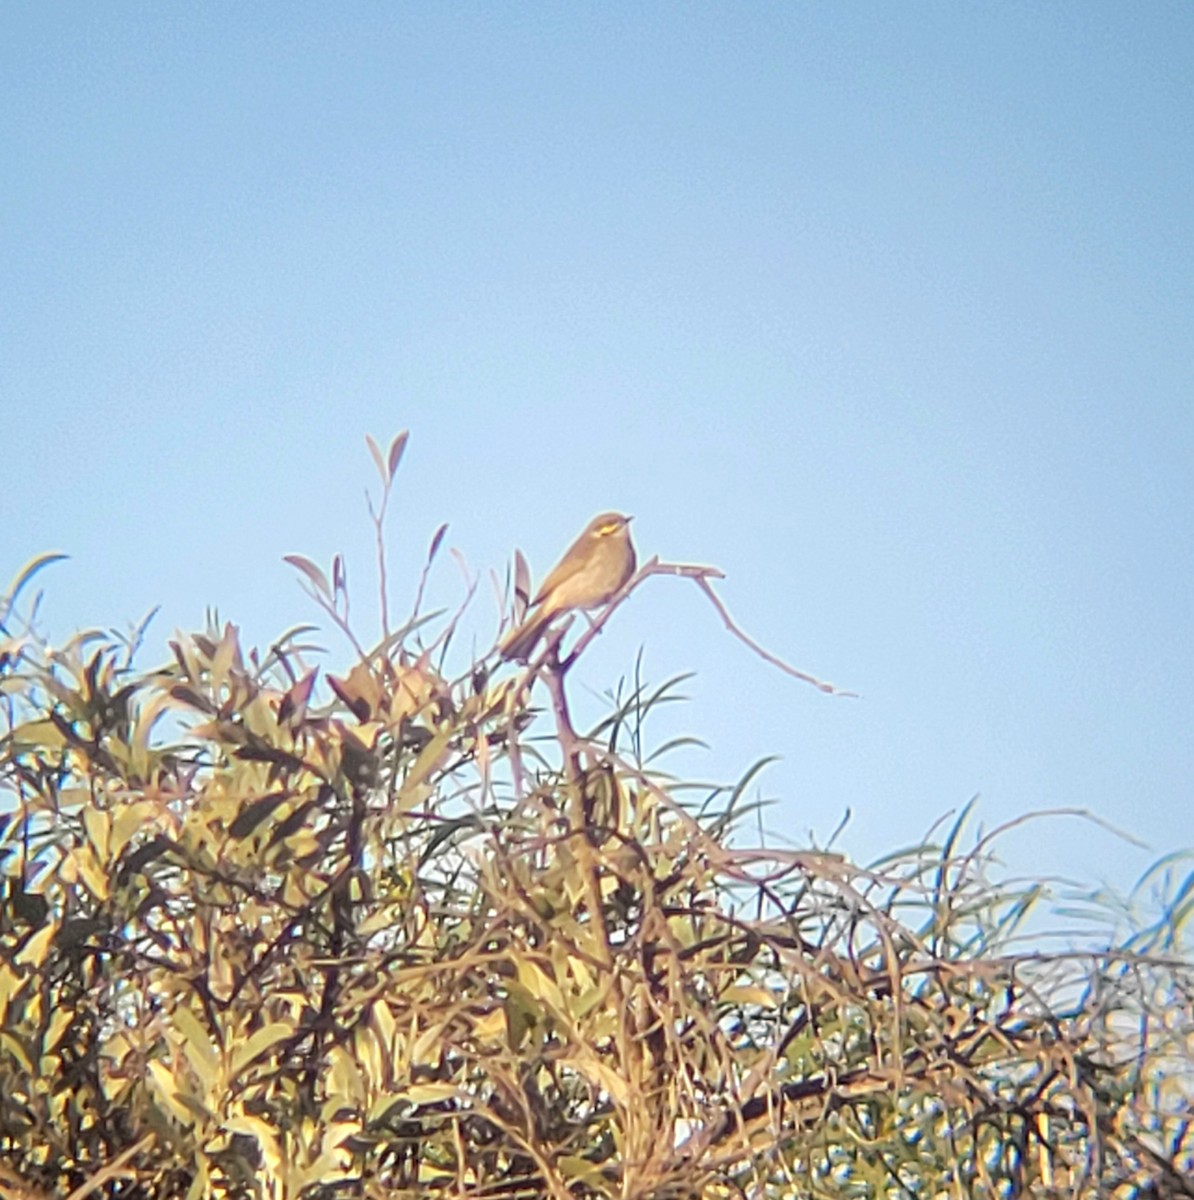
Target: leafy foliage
(406, 935)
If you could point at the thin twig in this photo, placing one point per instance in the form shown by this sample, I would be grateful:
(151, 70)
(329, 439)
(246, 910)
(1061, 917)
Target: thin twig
(337, 619)
(431, 553)
(701, 575)
(820, 684)
(569, 741)
(114, 1168)
(378, 519)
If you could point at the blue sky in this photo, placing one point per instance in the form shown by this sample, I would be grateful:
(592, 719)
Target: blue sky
(886, 311)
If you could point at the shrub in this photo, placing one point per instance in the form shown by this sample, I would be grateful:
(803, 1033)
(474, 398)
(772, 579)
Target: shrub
(408, 935)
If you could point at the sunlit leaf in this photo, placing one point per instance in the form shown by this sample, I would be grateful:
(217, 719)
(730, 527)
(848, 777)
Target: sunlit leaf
(22, 577)
(258, 1044)
(294, 702)
(197, 1045)
(44, 734)
(163, 1082)
(98, 825)
(749, 995)
(430, 1093)
(37, 946)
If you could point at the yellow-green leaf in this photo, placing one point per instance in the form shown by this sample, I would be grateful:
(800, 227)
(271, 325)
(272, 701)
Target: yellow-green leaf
(128, 820)
(196, 1044)
(748, 994)
(98, 826)
(162, 1081)
(33, 952)
(429, 1093)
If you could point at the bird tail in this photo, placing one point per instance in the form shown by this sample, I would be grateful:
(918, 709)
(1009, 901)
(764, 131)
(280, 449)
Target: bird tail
(520, 641)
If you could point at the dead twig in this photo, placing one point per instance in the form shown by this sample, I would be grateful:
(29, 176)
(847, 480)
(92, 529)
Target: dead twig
(701, 575)
(117, 1167)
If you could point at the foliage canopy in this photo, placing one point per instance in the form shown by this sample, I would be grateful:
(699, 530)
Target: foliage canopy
(411, 935)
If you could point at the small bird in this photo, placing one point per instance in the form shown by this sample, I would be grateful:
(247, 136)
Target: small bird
(593, 570)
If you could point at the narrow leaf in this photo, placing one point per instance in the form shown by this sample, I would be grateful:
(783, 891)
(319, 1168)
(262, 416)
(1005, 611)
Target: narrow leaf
(29, 570)
(357, 703)
(269, 754)
(253, 813)
(430, 1093)
(191, 698)
(142, 857)
(292, 824)
(37, 946)
(375, 450)
(26, 573)
(196, 1041)
(397, 446)
(522, 585)
(258, 1044)
(436, 542)
(294, 702)
(312, 572)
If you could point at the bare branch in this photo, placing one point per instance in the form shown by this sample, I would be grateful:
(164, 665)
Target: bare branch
(701, 575)
(820, 684)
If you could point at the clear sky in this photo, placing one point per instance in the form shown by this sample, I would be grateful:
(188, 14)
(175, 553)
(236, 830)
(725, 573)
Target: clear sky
(886, 310)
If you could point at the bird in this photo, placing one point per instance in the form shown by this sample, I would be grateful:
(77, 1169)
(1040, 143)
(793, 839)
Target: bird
(592, 571)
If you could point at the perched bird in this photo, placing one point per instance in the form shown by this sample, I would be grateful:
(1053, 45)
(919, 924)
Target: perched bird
(594, 568)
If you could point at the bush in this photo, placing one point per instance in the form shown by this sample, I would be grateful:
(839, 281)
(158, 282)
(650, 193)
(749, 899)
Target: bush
(410, 936)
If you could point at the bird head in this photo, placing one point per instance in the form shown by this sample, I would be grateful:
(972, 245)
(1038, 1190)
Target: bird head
(606, 525)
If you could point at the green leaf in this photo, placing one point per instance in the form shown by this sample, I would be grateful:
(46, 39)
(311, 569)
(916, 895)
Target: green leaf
(257, 1045)
(197, 1044)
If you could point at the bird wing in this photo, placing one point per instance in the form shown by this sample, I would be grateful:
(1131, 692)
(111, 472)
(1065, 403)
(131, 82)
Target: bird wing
(570, 563)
